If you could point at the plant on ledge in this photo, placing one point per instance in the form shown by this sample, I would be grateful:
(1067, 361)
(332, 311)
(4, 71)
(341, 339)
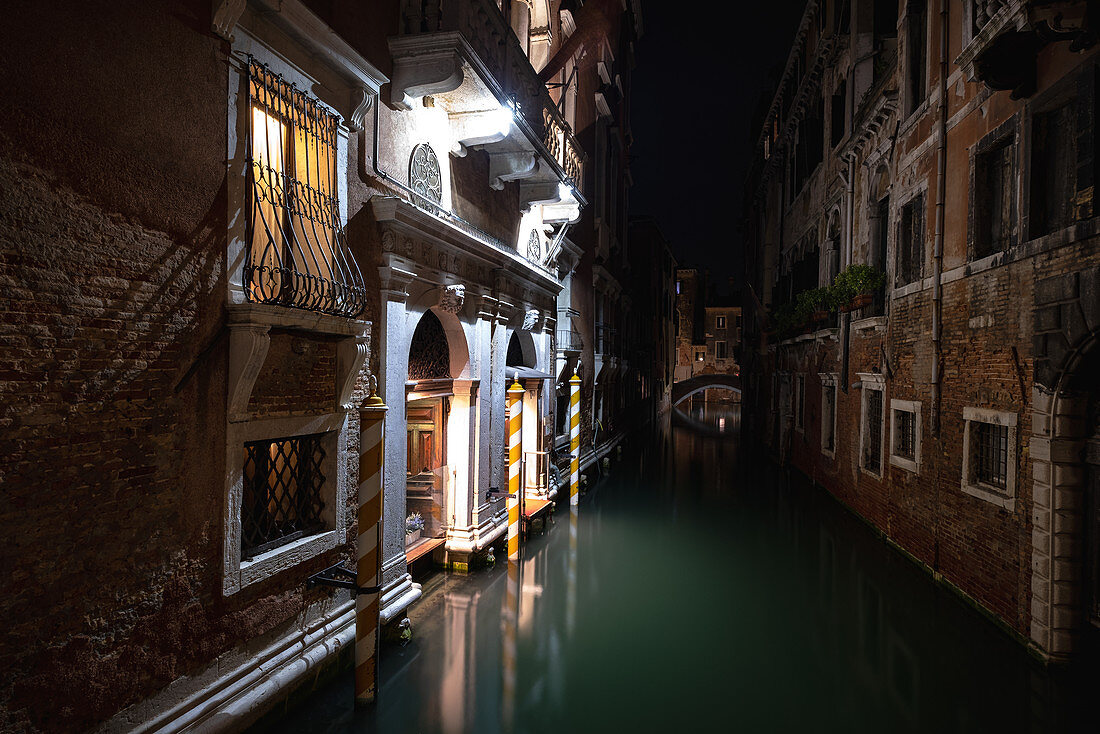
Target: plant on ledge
(854, 286)
(413, 523)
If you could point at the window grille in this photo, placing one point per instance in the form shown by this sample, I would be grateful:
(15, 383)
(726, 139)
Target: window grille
(994, 199)
(281, 501)
(911, 242)
(991, 454)
(904, 434)
(872, 449)
(828, 413)
(297, 255)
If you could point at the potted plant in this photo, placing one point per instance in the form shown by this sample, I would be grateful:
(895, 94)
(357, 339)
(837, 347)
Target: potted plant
(414, 524)
(855, 285)
(815, 303)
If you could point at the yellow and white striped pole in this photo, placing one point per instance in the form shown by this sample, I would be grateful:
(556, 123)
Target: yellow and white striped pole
(367, 547)
(574, 438)
(515, 486)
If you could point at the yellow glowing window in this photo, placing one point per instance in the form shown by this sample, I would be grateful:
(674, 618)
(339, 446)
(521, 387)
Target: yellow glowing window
(297, 255)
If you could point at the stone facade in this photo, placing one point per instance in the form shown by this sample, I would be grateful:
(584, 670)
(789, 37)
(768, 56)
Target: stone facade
(205, 272)
(981, 339)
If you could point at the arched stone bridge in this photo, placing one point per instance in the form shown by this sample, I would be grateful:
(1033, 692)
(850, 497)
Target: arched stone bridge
(684, 389)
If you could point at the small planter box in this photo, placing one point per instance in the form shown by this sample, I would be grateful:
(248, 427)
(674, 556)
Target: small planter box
(412, 538)
(863, 299)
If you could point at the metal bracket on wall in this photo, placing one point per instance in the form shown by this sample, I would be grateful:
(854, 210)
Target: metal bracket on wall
(342, 578)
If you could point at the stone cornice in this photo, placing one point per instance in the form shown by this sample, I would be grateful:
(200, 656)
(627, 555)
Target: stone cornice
(434, 249)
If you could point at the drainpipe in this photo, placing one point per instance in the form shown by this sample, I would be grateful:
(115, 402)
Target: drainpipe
(937, 248)
(846, 260)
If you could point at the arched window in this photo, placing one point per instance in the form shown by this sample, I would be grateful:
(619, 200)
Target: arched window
(429, 355)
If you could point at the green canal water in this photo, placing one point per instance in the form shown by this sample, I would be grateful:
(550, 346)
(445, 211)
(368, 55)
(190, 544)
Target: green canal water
(702, 589)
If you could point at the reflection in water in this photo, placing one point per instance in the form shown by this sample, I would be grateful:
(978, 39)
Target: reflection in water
(698, 587)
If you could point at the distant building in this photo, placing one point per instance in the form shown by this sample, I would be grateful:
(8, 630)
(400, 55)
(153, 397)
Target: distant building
(691, 341)
(723, 341)
(946, 151)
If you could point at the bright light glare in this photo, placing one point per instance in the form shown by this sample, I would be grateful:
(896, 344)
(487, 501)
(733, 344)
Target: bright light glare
(502, 120)
(564, 191)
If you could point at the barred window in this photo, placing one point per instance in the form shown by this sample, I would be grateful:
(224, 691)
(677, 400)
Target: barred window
(281, 501)
(872, 431)
(828, 417)
(297, 255)
(991, 454)
(904, 438)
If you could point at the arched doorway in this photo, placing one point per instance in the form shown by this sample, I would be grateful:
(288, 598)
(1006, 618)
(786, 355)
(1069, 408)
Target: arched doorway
(427, 409)
(1087, 385)
(521, 364)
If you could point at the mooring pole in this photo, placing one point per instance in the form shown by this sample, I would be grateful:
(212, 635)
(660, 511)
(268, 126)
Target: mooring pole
(515, 485)
(368, 547)
(574, 438)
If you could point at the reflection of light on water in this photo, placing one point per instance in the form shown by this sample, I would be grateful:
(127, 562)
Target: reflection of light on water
(722, 425)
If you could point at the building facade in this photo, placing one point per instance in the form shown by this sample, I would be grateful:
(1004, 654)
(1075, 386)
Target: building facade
(922, 313)
(205, 275)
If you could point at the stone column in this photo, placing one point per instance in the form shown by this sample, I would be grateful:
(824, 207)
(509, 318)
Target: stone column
(398, 590)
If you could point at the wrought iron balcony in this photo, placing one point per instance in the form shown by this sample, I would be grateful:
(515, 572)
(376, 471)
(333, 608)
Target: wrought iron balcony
(496, 55)
(569, 341)
(296, 255)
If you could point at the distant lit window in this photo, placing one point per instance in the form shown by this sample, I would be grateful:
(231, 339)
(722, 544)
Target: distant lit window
(700, 355)
(677, 287)
(720, 322)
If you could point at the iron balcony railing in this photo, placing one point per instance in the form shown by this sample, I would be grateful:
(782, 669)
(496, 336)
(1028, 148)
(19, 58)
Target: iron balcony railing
(481, 23)
(296, 251)
(569, 341)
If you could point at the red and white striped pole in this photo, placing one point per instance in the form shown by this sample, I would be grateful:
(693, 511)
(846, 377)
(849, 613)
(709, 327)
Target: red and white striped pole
(368, 547)
(515, 485)
(574, 438)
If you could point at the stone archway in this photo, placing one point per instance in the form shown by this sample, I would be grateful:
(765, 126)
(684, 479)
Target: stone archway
(1065, 455)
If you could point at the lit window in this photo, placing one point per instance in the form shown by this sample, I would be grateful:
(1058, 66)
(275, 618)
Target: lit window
(700, 355)
(297, 255)
(282, 492)
(989, 456)
(720, 322)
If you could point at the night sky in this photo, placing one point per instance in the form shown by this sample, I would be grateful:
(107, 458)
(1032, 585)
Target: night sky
(701, 70)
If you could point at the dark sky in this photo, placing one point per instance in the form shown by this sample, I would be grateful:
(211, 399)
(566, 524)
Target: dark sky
(701, 68)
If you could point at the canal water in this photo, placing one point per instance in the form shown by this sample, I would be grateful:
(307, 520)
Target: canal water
(701, 589)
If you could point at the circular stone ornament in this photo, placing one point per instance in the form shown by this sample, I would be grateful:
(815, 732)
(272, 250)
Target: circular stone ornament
(424, 175)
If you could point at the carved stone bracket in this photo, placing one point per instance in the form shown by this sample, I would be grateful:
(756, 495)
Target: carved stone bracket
(248, 345)
(420, 67)
(394, 282)
(361, 102)
(452, 298)
(350, 356)
(530, 318)
(226, 15)
(487, 308)
(511, 166)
